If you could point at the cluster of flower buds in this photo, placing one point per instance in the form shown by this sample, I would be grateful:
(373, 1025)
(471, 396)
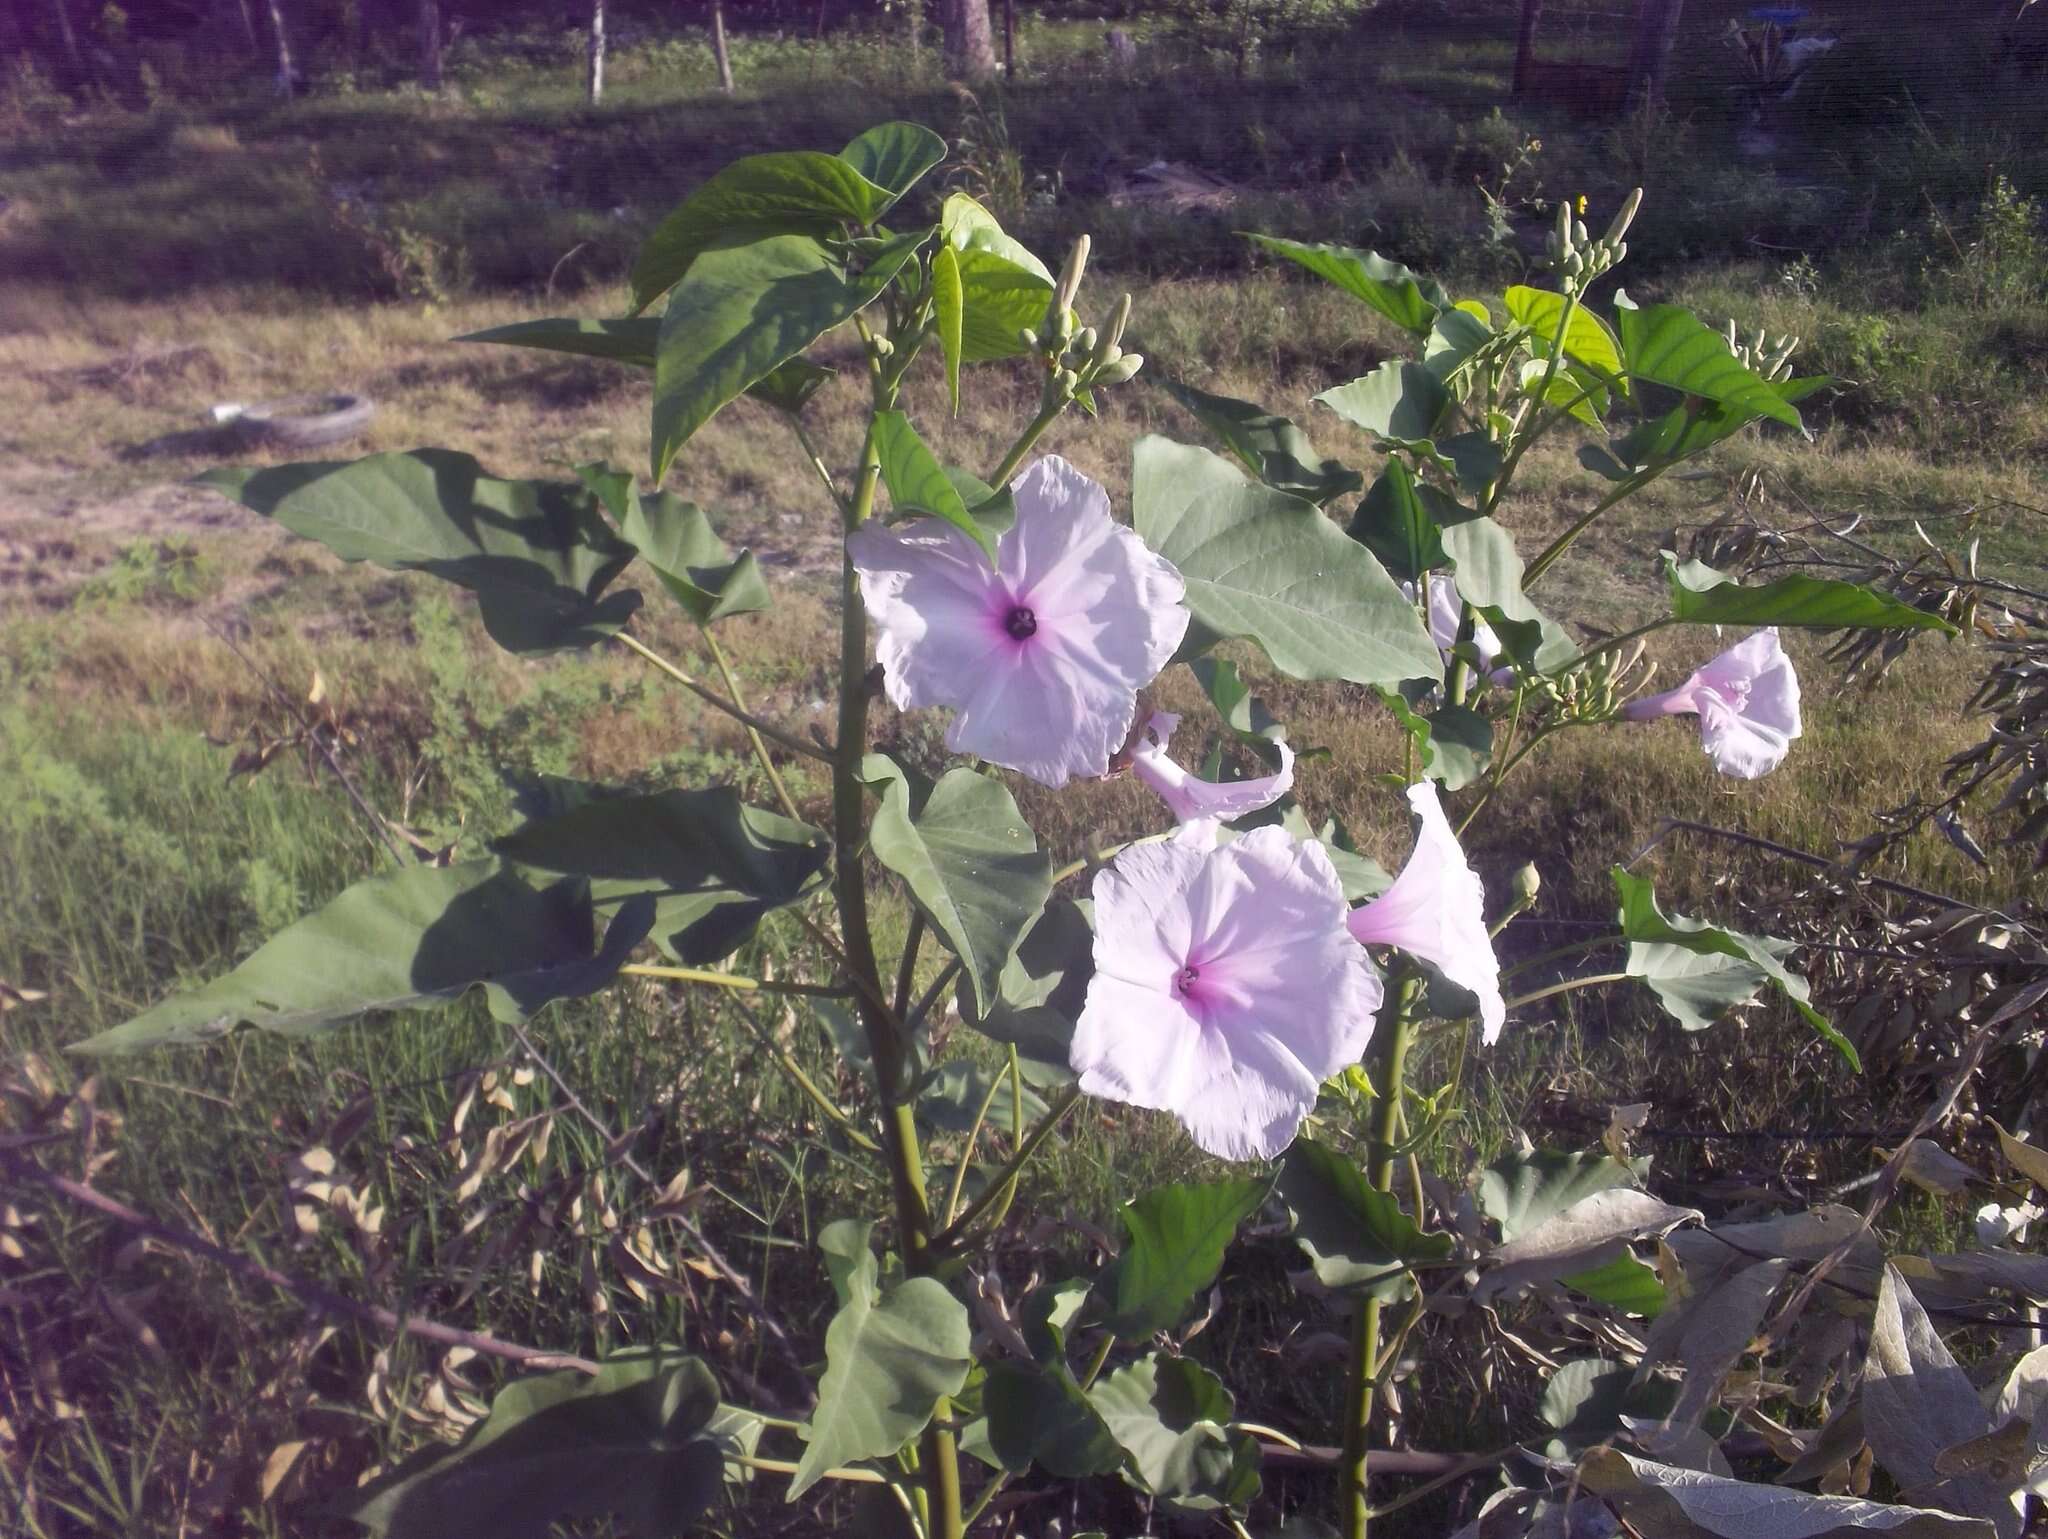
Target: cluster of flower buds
(1596, 688)
(1578, 259)
(1766, 356)
(1080, 360)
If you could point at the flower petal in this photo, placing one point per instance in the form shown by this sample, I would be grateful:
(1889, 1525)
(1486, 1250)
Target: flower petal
(1447, 613)
(1748, 704)
(1189, 796)
(1436, 910)
(1738, 743)
(1226, 989)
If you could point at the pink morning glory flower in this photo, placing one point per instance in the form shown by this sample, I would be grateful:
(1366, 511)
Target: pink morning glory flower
(1747, 700)
(1042, 656)
(1225, 988)
(1191, 797)
(1436, 910)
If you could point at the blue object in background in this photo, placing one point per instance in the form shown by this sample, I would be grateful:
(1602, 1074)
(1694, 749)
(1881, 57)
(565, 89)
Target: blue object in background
(1779, 15)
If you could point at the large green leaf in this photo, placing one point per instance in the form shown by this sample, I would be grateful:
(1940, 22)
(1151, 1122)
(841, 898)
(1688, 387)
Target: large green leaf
(639, 1440)
(917, 483)
(1399, 401)
(1586, 335)
(1400, 521)
(1702, 596)
(949, 316)
(711, 865)
(1456, 337)
(789, 192)
(1488, 572)
(1271, 447)
(422, 936)
(1357, 1239)
(894, 157)
(1682, 432)
(1042, 987)
(967, 226)
(743, 308)
(1039, 1415)
(1668, 346)
(1003, 287)
(1644, 922)
(1624, 1284)
(536, 553)
(1698, 988)
(1175, 1237)
(1406, 298)
(970, 861)
(1171, 1416)
(1265, 565)
(1521, 1192)
(675, 538)
(890, 1358)
(628, 340)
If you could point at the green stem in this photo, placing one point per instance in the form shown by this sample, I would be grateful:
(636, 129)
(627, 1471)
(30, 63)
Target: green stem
(712, 697)
(1547, 557)
(1501, 773)
(1589, 981)
(1099, 1357)
(1576, 948)
(906, 968)
(786, 1467)
(1523, 440)
(1362, 1382)
(995, 1083)
(732, 980)
(1045, 419)
(786, 1061)
(1064, 1102)
(732, 688)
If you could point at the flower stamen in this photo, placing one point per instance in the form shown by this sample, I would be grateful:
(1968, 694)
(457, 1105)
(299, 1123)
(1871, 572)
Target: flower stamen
(1021, 623)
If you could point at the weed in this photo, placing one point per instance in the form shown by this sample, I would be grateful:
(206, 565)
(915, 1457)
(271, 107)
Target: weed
(149, 571)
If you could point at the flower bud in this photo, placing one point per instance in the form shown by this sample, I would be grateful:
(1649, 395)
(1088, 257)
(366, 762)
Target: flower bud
(1574, 263)
(1064, 381)
(882, 347)
(1526, 882)
(1085, 342)
(1564, 227)
(1029, 338)
(1623, 220)
(1123, 368)
(1578, 233)
(1070, 275)
(1119, 320)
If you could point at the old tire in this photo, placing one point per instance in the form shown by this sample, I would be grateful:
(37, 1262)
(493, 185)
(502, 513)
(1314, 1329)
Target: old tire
(306, 421)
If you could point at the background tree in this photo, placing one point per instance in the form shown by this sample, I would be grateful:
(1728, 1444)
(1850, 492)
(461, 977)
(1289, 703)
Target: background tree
(718, 48)
(74, 60)
(596, 51)
(970, 46)
(1650, 57)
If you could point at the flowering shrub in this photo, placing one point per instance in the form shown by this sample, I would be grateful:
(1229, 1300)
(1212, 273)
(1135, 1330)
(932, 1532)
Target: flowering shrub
(1242, 968)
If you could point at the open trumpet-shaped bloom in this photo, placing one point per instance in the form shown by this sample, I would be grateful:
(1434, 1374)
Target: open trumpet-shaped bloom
(1747, 700)
(1191, 797)
(1225, 989)
(1436, 910)
(1040, 656)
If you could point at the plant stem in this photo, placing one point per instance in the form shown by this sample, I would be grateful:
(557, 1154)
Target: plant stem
(732, 980)
(732, 688)
(817, 460)
(1363, 1381)
(1095, 1362)
(785, 1061)
(1063, 1103)
(1045, 419)
(1546, 557)
(712, 697)
(1587, 982)
(1576, 948)
(967, 1153)
(906, 969)
(787, 1467)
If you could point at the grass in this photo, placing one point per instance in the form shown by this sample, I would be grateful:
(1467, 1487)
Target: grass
(196, 252)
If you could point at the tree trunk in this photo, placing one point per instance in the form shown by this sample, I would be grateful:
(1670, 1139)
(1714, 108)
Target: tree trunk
(1009, 39)
(1525, 44)
(430, 44)
(596, 51)
(970, 48)
(280, 48)
(1650, 59)
(718, 48)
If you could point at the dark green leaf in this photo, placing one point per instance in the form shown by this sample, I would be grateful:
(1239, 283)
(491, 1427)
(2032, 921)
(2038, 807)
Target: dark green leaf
(790, 192)
(789, 386)
(1456, 336)
(711, 865)
(629, 340)
(1644, 922)
(675, 538)
(1453, 743)
(1046, 1313)
(536, 554)
(1357, 1239)
(1682, 432)
(970, 861)
(423, 936)
(949, 308)
(1666, 345)
(1271, 447)
(1040, 1416)
(742, 309)
(889, 1359)
(1587, 1397)
(1406, 298)
(638, 1441)
(1171, 1416)
(1265, 565)
(998, 299)
(1488, 572)
(1176, 1236)
(1398, 522)
(918, 484)
(1702, 596)
(894, 157)
(958, 1089)
(1042, 987)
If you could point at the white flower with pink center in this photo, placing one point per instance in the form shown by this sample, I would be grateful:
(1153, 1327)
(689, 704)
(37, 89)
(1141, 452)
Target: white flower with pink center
(1747, 700)
(1041, 656)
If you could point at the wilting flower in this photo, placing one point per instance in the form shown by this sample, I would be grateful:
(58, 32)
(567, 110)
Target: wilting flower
(1041, 656)
(1447, 612)
(1747, 700)
(1191, 797)
(1436, 910)
(1225, 988)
